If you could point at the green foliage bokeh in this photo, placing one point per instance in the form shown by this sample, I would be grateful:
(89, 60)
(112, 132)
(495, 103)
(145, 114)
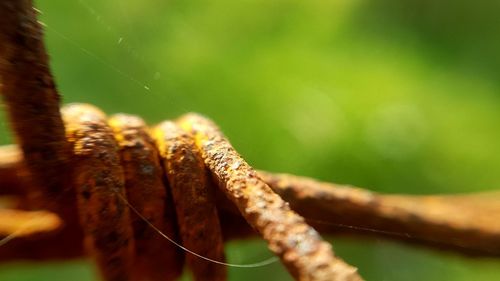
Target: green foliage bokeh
(395, 96)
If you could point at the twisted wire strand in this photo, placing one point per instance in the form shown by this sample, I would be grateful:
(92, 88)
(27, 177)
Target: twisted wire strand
(319, 202)
(118, 158)
(99, 169)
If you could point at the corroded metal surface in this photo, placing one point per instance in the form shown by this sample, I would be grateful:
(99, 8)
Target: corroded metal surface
(28, 89)
(100, 185)
(194, 201)
(467, 223)
(155, 257)
(472, 227)
(93, 169)
(301, 249)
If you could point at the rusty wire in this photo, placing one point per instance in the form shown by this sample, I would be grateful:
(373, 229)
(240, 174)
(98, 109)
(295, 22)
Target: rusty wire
(99, 181)
(112, 156)
(101, 164)
(89, 170)
(117, 158)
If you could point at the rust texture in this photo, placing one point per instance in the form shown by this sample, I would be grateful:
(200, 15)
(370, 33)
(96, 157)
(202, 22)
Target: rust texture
(100, 186)
(107, 168)
(466, 223)
(301, 249)
(194, 201)
(472, 228)
(29, 91)
(156, 257)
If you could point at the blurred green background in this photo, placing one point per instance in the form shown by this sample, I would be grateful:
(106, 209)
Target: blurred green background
(395, 96)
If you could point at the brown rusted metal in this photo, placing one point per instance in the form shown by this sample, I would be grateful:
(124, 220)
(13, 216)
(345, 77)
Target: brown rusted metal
(337, 209)
(100, 186)
(86, 159)
(156, 258)
(465, 223)
(194, 201)
(29, 91)
(301, 249)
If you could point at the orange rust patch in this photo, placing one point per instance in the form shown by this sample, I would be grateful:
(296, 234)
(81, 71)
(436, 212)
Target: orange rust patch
(99, 183)
(156, 257)
(299, 246)
(194, 201)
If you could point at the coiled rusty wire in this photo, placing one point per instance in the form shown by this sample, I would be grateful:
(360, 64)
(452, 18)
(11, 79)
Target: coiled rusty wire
(121, 160)
(90, 170)
(118, 158)
(165, 174)
(92, 165)
(165, 168)
(85, 150)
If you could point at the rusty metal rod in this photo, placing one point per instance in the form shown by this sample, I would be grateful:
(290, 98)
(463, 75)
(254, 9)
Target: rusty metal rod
(99, 182)
(156, 259)
(468, 223)
(32, 102)
(463, 223)
(300, 247)
(193, 195)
